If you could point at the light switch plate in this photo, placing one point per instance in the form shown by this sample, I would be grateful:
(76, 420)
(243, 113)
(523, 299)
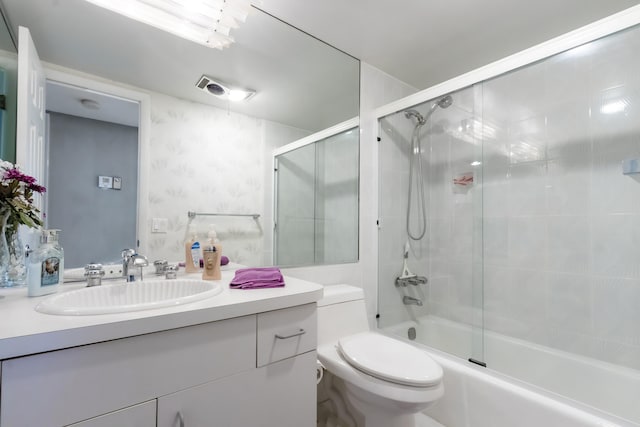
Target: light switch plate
(117, 183)
(159, 225)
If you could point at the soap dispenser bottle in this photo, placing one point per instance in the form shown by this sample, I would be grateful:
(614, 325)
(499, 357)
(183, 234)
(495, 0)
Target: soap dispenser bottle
(192, 252)
(211, 254)
(45, 263)
(56, 239)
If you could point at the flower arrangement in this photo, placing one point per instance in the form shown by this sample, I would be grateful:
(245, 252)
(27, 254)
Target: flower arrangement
(16, 197)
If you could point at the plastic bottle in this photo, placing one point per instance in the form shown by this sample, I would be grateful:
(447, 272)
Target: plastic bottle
(192, 252)
(212, 251)
(44, 265)
(58, 247)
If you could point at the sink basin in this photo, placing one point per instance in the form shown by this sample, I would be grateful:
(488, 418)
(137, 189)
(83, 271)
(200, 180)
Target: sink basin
(145, 295)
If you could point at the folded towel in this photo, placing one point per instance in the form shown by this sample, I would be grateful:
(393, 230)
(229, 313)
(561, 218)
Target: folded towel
(260, 277)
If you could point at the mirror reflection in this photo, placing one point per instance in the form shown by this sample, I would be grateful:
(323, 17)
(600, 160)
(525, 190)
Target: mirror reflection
(8, 101)
(196, 152)
(316, 187)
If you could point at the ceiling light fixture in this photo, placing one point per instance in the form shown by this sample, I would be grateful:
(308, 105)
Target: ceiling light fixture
(207, 22)
(222, 91)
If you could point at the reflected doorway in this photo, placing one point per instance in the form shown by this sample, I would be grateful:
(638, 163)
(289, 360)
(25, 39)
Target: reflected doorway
(92, 172)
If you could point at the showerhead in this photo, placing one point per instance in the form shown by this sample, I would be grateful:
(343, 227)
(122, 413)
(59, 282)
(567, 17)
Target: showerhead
(413, 113)
(444, 102)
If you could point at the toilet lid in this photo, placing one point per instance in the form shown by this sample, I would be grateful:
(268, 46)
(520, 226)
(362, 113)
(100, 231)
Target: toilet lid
(390, 359)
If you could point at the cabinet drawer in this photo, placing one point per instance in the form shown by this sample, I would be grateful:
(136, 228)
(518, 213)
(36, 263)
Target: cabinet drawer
(67, 386)
(142, 415)
(286, 333)
(282, 394)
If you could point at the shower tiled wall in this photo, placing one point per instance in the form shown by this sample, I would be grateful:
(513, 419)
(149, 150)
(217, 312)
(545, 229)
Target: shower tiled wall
(561, 221)
(557, 222)
(445, 254)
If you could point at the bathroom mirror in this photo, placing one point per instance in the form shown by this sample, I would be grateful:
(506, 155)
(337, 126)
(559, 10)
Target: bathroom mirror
(205, 154)
(8, 82)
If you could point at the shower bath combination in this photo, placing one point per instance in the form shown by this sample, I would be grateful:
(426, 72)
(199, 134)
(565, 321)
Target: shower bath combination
(416, 174)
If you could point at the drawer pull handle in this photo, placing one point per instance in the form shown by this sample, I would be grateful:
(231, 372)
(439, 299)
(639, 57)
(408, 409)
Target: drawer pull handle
(295, 334)
(180, 418)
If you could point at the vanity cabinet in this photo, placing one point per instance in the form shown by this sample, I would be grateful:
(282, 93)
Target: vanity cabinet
(142, 415)
(277, 395)
(205, 373)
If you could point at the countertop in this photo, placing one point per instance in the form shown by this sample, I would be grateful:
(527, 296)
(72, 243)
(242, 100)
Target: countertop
(24, 331)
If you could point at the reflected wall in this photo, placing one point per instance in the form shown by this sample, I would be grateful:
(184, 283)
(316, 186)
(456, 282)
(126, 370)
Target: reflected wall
(316, 202)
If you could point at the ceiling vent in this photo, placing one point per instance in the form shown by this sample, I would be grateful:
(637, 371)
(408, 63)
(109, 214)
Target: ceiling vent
(223, 91)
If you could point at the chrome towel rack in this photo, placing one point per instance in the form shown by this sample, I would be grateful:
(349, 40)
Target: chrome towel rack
(192, 214)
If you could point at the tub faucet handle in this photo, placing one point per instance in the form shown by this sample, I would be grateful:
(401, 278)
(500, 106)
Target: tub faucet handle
(407, 300)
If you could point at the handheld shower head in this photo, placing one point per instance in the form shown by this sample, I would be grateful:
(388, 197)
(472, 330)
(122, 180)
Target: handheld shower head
(413, 113)
(444, 102)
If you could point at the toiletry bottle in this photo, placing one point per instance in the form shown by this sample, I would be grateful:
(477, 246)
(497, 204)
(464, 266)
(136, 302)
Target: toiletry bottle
(213, 238)
(43, 274)
(192, 252)
(211, 263)
(58, 247)
(211, 254)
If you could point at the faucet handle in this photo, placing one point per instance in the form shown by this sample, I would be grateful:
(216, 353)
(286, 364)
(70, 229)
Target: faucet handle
(93, 273)
(139, 260)
(127, 253)
(161, 266)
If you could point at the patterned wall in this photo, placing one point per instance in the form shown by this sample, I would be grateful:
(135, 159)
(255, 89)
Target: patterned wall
(206, 159)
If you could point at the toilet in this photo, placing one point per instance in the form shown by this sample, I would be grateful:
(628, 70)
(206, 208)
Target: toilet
(374, 380)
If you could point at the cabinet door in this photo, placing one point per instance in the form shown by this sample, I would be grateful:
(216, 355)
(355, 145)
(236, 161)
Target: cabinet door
(142, 415)
(282, 394)
(105, 377)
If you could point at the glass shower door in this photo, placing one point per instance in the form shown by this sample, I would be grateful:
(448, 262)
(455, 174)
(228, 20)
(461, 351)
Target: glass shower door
(445, 135)
(316, 201)
(294, 239)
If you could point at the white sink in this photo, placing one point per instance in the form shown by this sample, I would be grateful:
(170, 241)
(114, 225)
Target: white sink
(125, 297)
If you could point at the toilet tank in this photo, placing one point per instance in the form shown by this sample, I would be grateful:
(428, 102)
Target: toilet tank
(341, 312)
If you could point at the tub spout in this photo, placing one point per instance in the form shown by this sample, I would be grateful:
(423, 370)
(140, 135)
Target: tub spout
(411, 301)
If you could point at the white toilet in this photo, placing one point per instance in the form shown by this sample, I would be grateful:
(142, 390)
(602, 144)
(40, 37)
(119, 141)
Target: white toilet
(384, 382)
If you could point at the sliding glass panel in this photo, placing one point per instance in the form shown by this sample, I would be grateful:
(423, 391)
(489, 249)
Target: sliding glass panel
(337, 198)
(430, 230)
(562, 224)
(316, 189)
(295, 207)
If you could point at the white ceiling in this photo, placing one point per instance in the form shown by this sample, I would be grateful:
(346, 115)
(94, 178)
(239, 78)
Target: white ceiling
(424, 42)
(421, 42)
(67, 99)
(300, 81)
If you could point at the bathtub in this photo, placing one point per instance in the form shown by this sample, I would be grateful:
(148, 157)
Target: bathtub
(491, 397)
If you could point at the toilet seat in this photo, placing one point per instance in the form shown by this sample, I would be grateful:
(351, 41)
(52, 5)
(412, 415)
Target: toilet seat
(395, 393)
(390, 359)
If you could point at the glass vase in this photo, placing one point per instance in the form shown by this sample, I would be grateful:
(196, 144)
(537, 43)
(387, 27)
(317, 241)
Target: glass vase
(13, 269)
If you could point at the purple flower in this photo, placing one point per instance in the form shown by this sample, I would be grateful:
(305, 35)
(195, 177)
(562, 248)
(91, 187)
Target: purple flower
(16, 191)
(37, 188)
(19, 176)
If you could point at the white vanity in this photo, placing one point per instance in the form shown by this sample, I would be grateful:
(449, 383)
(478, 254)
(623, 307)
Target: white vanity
(240, 358)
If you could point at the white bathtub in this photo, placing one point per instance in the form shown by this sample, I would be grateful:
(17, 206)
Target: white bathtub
(488, 397)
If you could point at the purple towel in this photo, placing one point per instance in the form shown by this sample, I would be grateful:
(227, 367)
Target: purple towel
(253, 278)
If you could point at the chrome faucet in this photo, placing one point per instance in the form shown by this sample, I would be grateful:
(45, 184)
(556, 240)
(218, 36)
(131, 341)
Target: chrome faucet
(126, 257)
(411, 301)
(131, 259)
